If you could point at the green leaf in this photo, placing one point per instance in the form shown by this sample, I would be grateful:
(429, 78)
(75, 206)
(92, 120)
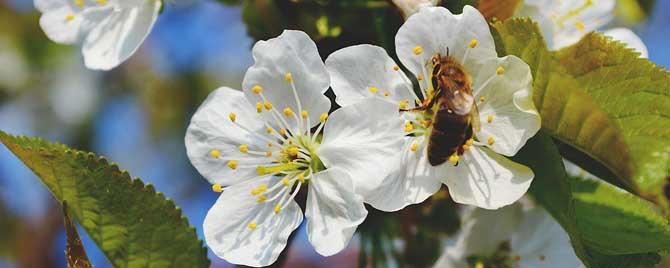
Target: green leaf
(132, 224)
(609, 109)
(573, 202)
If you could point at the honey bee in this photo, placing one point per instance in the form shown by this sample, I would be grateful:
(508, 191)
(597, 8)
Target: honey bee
(455, 115)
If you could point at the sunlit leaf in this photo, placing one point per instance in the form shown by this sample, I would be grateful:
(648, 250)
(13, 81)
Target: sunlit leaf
(132, 224)
(608, 107)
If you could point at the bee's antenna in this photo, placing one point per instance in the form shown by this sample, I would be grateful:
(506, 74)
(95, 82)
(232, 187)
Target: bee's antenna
(447, 52)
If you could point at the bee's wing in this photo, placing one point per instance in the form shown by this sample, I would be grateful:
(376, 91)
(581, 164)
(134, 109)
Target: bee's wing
(475, 119)
(461, 102)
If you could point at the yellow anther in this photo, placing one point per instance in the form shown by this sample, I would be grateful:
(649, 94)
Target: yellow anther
(259, 107)
(285, 181)
(373, 90)
(466, 147)
(277, 208)
(215, 153)
(323, 117)
(403, 104)
(396, 67)
(414, 147)
(244, 148)
(257, 89)
(473, 43)
(292, 151)
(261, 199)
(303, 114)
(232, 164)
(288, 77)
(482, 99)
(387, 93)
(426, 123)
(282, 131)
(489, 118)
(418, 50)
(259, 190)
(269, 130)
(419, 77)
(267, 105)
(269, 144)
(232, 117)
(217, 188)
(69, 17)
(470, 142)
(490, 141)
(454, 159)
(102, 2)
(409, 126)
(500, 70)
(301, 178)
(580, 25)
(252, 225)
(268, 154)
(79, 3)
(479, 265)
(288, 111)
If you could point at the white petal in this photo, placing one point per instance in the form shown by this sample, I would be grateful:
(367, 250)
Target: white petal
(541, 242)
(355, 69)
(119, 35)
(364, 139)
(487, 180)
(411, 183)
(212, 129)
(508, 102)
(629, 38)
(227, 232)
(333, 211)
(481, 234)
(291, 52)
(435, 29)
(58, 28)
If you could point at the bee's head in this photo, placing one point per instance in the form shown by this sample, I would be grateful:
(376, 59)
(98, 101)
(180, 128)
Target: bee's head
(435, 60)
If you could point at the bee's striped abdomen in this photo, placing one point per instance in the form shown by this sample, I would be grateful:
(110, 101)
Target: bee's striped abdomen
(450, 131)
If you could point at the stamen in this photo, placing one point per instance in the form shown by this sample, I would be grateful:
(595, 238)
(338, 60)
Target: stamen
(288, 77)
(282, 131)
(259, 190)
(490, 141)
(269, 130)
(232, 164)
(500, 70)
(257, 89)
(373, 90)
(489, 118)
(414, 147)
(470, 142)
(580, 25)
(323, 117)
(259, 107)
(292, 151)
(267, 105)
(261, 199)
(454, 159)
(479, 264)
(217, 188)
(244, 148)
(387, 93)
(102, 2)
(473, 43)
(419, 77)
(304, 114)
(214, 153)
(79, 3)
(396, 68)
(301, 178)
(232, 117)
(409, 126)
(268, 153)
(403, 104)
(277, 208)
(69, 17)
(252, 225)
(418, 50)
(288, 112)
(482, 99)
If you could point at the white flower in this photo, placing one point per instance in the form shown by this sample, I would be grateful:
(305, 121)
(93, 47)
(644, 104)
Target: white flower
(565, 22)
(259, 144)
(502, 94)
(409, 7)
(510, 237)
(110, 30)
